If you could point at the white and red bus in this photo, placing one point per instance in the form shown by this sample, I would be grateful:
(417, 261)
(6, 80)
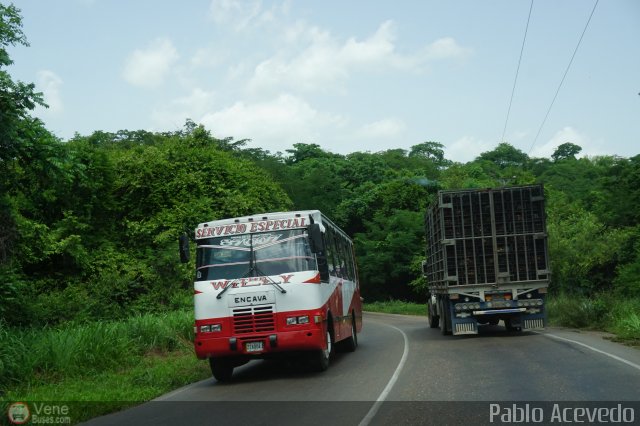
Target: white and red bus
(273, 284)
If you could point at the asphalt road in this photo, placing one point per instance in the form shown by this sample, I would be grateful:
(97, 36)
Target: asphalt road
(403, 372)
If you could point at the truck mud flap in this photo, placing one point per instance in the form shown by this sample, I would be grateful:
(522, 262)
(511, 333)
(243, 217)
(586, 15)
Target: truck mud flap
(465, 328)
(530, 324)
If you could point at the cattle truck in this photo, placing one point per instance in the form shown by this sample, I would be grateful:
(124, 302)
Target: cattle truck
(487, 259)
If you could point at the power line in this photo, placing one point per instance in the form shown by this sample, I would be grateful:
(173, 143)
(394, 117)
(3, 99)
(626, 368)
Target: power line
(513, 90)
(563, 77)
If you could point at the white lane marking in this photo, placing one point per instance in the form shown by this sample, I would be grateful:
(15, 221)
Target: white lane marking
(168, 396)
(383, 396)
(617, 358)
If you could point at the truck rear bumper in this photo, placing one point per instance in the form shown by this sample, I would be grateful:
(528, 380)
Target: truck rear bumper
(516, 317)
(500, 311)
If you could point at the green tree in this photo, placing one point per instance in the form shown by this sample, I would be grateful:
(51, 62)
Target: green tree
(617, 200)
(315, 183)
(577, 179)
(470, 175)
(566, 151)
(20, 152)
(16, 98)
(385, 253)
(304, 151)
(505, 155)
(584, 253)
(432, 151)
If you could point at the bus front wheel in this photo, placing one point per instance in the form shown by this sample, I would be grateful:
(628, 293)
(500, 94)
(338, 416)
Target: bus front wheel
(221, 368)
(351, 343)
(322, 357)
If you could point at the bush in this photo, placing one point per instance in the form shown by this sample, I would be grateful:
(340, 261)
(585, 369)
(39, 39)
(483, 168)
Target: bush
(577, 311)
(607, 312)
(626, 319)
(627, 281)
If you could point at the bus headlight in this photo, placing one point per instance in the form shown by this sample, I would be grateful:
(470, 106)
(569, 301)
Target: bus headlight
(211, 328)
(292, 320)
(303, 319)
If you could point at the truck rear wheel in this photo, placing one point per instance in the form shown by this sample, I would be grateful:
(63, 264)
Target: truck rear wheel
(434, 320)
(445, 321)
(512, 325)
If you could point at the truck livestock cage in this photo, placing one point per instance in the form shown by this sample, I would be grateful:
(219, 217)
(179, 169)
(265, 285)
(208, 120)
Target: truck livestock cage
(487, 259)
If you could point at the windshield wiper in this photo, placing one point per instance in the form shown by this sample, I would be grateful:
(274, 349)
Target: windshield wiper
(275, 284)
(226, 288)
(232, 283)
(253, 268)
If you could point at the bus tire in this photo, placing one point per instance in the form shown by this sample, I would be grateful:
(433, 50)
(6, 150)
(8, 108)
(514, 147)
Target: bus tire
(322, 358)
(221, 368)
(351, 343)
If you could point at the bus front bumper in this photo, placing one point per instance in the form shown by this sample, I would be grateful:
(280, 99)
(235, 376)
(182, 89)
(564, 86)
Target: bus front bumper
(260, 346)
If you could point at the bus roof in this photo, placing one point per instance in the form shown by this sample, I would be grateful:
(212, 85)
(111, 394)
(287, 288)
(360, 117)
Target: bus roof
(315, 214)
(265, 222)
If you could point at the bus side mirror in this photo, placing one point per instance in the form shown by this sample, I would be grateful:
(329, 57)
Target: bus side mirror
(315, 235)
(183, 241)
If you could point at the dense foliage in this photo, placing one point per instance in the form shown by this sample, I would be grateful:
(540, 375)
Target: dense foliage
(89, 226)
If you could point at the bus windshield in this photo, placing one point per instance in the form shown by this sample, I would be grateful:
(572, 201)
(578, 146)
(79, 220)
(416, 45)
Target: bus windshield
(254, 255)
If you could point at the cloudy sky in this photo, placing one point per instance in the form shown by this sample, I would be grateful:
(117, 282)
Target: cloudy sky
(358, 75)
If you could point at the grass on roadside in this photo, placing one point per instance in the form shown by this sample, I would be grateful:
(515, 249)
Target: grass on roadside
(397, 307)
(604, 312)
(113, 390)
(108, 365)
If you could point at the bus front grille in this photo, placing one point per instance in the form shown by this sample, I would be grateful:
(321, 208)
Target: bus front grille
(253, 319)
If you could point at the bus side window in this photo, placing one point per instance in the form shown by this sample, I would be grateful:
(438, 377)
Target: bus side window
(324, 260)
(336, 255)
(340, 267)
(353, 262)
(349, 260)
(329, 250)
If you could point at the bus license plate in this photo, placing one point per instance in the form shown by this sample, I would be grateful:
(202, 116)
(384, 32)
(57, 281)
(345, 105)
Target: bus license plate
(254, 346)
